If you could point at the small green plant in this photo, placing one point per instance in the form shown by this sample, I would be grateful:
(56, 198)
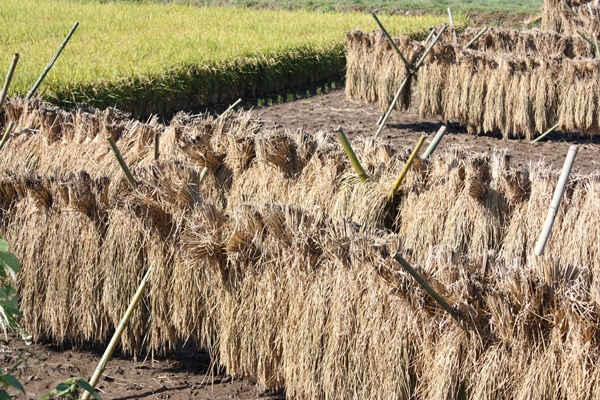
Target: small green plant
(9, 310)
(70, 388)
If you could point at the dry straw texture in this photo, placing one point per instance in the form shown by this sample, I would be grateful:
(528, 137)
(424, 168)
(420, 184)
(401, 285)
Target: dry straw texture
(572, 19)
(306, 297)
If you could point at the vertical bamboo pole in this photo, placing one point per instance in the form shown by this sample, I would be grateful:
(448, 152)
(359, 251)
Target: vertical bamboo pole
(351, 155)
(434, 143)
(481, 32)
(122, 162)
(9, 129)
(450, 17)
(405, 169)
(425, 285)
(543, 135)
(558, 193)
(118, 333)
(9, 76)
(399, 92)
(51, 63)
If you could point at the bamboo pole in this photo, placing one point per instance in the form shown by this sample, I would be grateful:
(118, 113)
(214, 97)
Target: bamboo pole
(351, 155)
(568, 6)
(117, 335)
(9, 76)
(430, 35)
(405, 169)
(543, 135)
(156, 146)
(450, 17)
(594, 43)
(481, 32)
(238, 101)
(389, 38)
(589, 6)
(122, 162)
(425, 285)
(9, 129)
(403, 84)
(434, 143)
(51, 63)
(558, 193)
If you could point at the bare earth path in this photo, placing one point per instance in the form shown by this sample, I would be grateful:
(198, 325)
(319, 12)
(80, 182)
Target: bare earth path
(185, 374)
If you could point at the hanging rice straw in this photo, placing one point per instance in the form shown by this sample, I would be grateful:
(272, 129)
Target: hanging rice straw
(434, 143)
(51, 63)
(9, 75)
(405, 169)
(351, 155)
(118, 332)
(558, 193)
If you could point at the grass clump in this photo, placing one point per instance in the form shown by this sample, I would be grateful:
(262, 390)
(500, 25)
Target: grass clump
(147, 57)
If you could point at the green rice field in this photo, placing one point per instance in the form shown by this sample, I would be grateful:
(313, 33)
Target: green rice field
(150, 57)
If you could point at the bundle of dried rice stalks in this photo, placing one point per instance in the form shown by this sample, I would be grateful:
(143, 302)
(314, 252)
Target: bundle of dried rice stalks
(530, 42)
(375, 71)
(555, 15)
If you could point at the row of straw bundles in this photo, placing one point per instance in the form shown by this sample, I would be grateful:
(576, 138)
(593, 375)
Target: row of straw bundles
(584, 19)
(565, 16)
(527, 42)
(302, 301)
(518, 96)
(373, 69)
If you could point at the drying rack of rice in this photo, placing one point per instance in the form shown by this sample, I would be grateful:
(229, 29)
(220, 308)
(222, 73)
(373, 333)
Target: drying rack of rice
(545, 80)
(571, 17)
(295, 288)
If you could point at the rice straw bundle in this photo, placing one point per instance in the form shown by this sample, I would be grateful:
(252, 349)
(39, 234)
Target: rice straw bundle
(555, 16)
(531, 42)
(375, 71)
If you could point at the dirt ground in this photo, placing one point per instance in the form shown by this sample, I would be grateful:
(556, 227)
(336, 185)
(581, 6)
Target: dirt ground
(186, 373)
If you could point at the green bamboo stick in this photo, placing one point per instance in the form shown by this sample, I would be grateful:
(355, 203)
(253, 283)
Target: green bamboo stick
(122, 162)
(351, 155)
(405, 169)
(594, 43)
(9, 76)
(481, 32)
(430, 35)
(117, 335)
(568, 6)
(51, 63)
(389, 38)
(543, 135)
(9, 129)
(425, 285)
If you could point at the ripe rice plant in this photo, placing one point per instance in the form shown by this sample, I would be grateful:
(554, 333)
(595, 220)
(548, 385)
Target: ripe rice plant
(149, 58)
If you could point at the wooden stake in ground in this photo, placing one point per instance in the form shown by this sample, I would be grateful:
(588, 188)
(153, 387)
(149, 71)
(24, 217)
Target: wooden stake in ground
(434, 143)
(9, 76)
(558, 193)
(37, 84)
(405, 169)
(118, 333)
(405, 82)
(351, 155)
